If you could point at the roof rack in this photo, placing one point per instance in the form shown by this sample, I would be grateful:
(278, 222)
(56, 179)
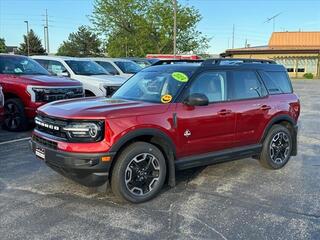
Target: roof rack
(235, 61)
(176, 61)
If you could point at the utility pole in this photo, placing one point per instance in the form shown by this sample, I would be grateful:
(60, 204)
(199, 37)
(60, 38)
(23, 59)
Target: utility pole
(44, 38)
(233, 30)
(47, 31)
(174, 28)
(28, 44)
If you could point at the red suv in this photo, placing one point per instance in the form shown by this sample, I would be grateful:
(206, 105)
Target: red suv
(171, 117)
(26, 86)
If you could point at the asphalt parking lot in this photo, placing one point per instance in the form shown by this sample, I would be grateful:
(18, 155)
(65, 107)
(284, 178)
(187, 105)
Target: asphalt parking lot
(234, 200)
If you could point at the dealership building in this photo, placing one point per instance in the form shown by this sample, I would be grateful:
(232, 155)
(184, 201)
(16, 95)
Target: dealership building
(299, 52)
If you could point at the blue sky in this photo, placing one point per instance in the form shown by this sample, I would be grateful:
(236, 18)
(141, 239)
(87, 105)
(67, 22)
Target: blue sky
(66, 16)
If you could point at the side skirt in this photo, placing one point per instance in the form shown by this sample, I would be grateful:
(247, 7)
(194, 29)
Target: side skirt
(217, 157)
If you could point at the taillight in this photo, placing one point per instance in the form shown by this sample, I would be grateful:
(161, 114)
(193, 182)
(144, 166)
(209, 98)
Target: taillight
(296, 107)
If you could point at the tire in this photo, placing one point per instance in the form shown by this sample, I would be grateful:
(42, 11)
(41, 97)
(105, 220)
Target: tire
(130, 185)
(15, 119)
(277, 148)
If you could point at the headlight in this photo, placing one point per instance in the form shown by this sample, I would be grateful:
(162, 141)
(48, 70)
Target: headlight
(110, 90)
(84, 131)
(40, 94)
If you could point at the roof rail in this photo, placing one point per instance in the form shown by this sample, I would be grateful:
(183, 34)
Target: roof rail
(235, 61)
(176, 61)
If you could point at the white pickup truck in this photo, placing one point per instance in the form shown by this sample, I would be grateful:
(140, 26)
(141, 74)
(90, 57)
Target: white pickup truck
(95, 79)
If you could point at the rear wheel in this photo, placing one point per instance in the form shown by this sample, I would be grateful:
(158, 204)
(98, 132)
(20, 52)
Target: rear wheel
(14, 116)
(277, 148)
(139, 173)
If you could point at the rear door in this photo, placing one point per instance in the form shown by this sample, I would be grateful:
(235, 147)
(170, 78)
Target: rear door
(211, 128)
(250, 100)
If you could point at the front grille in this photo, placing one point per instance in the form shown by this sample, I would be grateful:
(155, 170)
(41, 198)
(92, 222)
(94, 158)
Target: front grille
(51, 126)
(111, 90)
(45, 142)
(54, 94)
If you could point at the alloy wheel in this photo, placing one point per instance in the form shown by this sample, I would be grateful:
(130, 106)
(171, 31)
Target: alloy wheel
(279, 147)
(142, 174)
(12, 116)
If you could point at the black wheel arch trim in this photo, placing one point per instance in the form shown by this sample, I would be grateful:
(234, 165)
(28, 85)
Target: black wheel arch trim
(289, 119)
(170, 154)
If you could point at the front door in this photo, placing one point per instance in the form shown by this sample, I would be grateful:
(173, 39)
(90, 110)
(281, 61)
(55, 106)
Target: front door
(211, 128)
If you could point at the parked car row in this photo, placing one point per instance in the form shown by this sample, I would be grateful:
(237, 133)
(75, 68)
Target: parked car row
(95, 79)
(28, 83)
(26, 86)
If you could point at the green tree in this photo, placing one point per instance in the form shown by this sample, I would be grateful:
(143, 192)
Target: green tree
(35, 45)
(3, 47)
(138, 27)
(82, 43)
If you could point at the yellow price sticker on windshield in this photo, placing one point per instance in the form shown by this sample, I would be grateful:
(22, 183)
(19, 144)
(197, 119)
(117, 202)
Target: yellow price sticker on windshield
(179, 76)
(166, 98)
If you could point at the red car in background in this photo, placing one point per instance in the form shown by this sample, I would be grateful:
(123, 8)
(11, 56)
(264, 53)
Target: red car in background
(26, 86)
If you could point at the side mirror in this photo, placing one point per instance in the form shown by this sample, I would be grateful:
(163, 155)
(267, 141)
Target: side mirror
(197, 99)
(64, 74)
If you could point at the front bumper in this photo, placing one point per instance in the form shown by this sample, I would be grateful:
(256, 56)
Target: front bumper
(87, 169)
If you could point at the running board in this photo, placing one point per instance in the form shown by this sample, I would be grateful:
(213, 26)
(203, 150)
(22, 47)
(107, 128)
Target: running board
(217, 157)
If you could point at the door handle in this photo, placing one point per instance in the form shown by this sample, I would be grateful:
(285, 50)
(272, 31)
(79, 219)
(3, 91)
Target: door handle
(224, 112)
(265, 107)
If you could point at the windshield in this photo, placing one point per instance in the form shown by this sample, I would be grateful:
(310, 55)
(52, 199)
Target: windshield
(86, 67)
(128, 66)
(21, 65)
(158, 87)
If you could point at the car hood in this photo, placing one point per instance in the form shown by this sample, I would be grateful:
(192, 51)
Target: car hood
(99, 108)
(107, 79)
(48, 80)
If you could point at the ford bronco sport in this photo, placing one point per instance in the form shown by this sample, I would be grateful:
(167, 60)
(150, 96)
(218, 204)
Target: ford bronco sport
(26, 86)
(168, 118)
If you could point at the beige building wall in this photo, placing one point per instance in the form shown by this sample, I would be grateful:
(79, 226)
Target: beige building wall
(297, 64)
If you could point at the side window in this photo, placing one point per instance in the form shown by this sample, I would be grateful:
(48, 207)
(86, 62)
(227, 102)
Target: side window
(43, 63)
(277, 82)
(56, 67)
(245, 85)
(211, 84)
(108, 67)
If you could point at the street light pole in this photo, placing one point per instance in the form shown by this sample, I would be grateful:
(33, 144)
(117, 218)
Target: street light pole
(174, 28)
(28, 46)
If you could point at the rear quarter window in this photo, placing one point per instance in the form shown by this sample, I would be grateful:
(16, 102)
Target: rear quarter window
(277, 82)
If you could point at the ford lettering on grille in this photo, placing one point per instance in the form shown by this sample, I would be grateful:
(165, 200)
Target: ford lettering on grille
(46, 125)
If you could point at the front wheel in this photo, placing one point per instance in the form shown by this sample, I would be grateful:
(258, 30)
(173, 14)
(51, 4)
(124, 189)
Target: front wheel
(277, 148)
(15, 118)
(139, 173)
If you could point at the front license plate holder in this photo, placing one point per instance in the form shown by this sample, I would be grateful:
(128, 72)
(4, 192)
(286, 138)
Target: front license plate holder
(40, 153)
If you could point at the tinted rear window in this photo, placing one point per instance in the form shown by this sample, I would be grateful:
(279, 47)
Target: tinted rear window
(245, 85)
(277, 82)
